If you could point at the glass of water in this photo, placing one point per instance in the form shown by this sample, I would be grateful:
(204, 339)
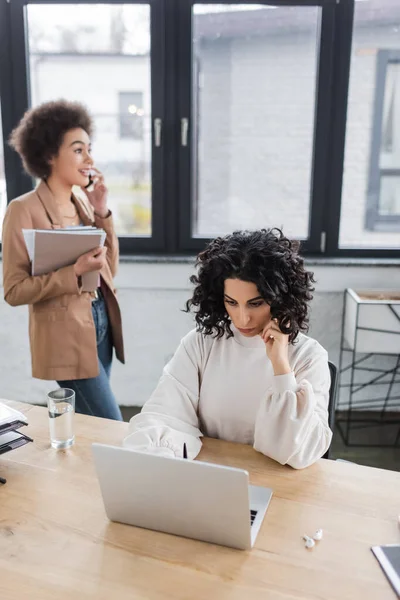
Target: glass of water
(61, 406)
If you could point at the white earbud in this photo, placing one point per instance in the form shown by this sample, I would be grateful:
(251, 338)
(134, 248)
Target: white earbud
(309, 542)
(318, 535)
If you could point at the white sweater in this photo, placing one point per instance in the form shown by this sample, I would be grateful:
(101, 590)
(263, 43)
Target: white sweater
(225, 388)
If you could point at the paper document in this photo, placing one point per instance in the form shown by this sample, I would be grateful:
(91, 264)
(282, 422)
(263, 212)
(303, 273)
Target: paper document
(10, 415)
(52, 249)
(29, 237)
(11, 440)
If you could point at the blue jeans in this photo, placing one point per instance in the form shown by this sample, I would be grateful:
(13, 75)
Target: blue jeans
(94, 396)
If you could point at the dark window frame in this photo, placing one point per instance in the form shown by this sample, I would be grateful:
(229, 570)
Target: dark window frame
(172, 181)
(342, 59)
(374, 220)
(15, 97)
(188, 180)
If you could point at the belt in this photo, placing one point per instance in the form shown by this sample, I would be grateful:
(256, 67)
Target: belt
(96, 295)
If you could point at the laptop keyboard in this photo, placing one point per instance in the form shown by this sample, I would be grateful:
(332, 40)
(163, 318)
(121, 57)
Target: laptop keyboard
(253, 514)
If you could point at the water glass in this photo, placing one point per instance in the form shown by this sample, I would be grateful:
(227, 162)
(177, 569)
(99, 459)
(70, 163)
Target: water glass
(61, 407)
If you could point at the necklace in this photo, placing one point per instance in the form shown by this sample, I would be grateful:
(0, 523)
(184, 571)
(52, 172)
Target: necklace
(62, 208)
(71, 216)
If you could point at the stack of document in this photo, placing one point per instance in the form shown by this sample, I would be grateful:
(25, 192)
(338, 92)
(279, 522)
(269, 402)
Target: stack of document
(10, 421)
(52, 249)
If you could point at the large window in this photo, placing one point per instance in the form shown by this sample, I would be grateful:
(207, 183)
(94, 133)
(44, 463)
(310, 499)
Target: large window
(89, 55)
(254, 80)
(371, 185)
(383, 208)
(213, 117)
(251, 138)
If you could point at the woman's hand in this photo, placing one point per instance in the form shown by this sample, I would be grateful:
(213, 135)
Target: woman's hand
(98, 195)
(277, 345)
(94, 260)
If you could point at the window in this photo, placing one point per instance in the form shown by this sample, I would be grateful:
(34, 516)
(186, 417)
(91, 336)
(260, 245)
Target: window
(131, 113)
(211, 117)
(371, 182)
(383, 208)
(73, 50)
(254, 76)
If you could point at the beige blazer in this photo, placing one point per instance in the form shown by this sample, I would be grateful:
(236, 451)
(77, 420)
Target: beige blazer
(61, 329)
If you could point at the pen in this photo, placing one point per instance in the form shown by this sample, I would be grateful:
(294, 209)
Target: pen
(184, 451)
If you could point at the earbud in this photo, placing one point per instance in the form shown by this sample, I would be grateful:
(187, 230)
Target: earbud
(309, 542)
(318, 535)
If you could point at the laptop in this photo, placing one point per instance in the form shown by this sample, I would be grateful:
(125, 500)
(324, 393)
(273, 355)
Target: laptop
(193, 499)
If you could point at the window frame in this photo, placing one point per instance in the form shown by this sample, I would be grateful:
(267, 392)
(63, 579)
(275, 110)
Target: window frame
(171, 81)
(316, 242)
(337, 138)
(14, 83)
(374, 220)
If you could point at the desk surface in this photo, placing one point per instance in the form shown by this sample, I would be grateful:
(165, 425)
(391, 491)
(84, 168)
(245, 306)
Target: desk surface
(56, 542)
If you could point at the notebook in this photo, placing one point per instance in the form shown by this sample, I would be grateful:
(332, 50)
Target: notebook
(52, 249)
(389, 559)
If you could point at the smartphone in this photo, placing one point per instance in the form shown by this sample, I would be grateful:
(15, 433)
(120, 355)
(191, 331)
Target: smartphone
(90, 182)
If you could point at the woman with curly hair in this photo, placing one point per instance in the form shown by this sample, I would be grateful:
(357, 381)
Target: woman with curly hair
(72, 332)
(247, 373)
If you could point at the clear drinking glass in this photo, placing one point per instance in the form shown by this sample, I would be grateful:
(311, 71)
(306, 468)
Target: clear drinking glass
(61, 407)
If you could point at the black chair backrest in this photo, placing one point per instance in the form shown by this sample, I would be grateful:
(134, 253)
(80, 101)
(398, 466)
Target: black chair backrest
(332, 394)
(332, 400)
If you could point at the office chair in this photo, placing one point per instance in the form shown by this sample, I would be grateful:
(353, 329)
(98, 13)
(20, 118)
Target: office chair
(332, 400)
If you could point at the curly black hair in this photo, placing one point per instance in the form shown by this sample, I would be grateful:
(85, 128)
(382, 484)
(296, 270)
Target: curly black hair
(40, 133)
(264, 257)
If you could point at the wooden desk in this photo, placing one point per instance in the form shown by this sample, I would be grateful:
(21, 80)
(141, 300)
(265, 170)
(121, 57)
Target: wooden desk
(56, 542)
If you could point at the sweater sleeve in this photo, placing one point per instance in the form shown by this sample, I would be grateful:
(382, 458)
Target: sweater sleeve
(170, 417)
(292, 422)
